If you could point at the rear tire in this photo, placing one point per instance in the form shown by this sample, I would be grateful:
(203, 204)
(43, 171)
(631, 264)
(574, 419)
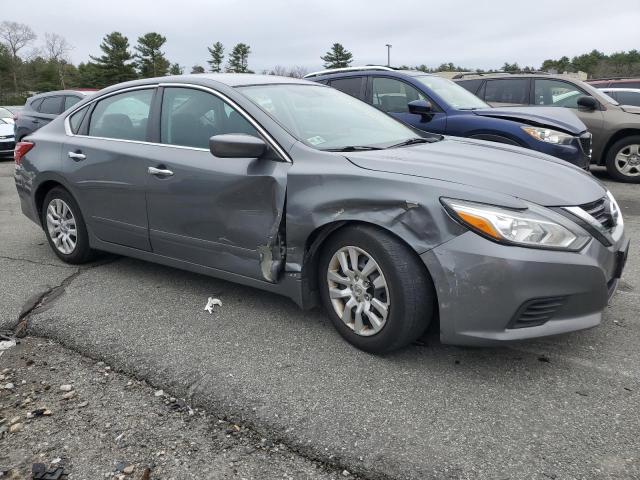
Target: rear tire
(65, 228)
(623, 160)
(395, 282)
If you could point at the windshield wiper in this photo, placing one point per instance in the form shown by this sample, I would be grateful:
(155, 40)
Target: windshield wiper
(352, 148)
(411, 141)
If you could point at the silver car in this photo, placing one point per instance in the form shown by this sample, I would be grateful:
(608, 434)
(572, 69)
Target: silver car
(299, 189)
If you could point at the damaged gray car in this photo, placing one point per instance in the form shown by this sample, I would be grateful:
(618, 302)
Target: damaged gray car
(304, 191)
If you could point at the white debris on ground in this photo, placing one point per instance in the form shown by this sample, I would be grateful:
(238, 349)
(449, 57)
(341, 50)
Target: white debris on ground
(211, 302)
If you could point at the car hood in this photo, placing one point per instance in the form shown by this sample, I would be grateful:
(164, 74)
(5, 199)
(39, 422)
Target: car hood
(630, 109)
(555, 117)
(514, 171)
(6, 129)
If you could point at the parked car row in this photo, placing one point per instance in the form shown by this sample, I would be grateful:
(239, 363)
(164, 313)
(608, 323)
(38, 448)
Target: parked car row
(437, 105)
(300, 189)
(615, 128)
(42, 108)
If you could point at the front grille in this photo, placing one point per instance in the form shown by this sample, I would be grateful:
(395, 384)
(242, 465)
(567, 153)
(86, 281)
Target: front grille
(585, 143)
(7, 146)
(601, 211)
(536, 312)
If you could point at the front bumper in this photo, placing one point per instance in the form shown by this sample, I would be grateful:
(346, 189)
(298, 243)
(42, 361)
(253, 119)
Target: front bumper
(6, 149)
(575, 153)
(483, 286)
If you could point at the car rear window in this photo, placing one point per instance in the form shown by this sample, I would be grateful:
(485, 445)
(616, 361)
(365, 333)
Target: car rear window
(51, 105)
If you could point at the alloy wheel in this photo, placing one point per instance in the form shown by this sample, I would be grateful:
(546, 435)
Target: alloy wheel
(358, 290)
(627, 160)
(61, 225)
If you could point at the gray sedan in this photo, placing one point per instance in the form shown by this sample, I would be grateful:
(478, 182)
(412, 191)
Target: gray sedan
(301, 190)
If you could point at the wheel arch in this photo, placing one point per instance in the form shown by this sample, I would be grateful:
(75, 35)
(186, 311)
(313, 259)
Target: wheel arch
(619, 135)
(321, 234)
(44, 187)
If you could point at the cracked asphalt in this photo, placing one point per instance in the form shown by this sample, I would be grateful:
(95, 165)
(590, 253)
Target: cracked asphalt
(563, 407)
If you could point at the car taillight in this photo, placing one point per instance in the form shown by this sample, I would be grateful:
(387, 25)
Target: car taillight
(21, 150)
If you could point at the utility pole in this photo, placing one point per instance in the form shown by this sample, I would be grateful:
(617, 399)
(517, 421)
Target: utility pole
(388, 54)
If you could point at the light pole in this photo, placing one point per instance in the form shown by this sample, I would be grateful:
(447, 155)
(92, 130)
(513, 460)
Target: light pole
(388, 54)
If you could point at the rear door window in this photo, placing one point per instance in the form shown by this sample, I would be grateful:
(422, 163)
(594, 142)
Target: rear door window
(51, 105)
(123, 116)
(507, 91)
(352, 85)
(393, 96)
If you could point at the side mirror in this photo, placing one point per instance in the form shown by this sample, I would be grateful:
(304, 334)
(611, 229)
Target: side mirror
(420, 107)
(237, 145)
(589, 103)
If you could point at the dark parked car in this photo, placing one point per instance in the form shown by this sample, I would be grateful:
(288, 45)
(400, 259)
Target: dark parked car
(299, 189)
(615, 128)
(624, 96)
(615, 82)
(7, 141)
(435, 104)
(44, 107)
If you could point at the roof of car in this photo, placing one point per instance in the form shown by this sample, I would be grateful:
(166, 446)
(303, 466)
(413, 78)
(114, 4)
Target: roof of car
(619, 89)
(63, 92)
(369, 71)
(232, 79)
(503, 75)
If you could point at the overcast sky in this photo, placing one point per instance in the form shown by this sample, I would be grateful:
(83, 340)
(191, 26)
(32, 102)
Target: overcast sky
(470, 33)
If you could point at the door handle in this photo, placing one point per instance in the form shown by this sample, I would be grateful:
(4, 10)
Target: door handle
(35, 121)
(161, 172)
(77, 156)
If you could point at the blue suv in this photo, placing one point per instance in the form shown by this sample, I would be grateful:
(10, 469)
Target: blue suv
(438, 105)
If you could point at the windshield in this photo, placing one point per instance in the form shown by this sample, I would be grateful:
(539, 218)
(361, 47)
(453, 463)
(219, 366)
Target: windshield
(327, 119)
(456, 96)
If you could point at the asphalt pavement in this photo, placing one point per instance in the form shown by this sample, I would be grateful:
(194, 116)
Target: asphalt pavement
(564, 407)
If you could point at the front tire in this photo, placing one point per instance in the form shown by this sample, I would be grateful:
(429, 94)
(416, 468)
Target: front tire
(65, 228)
(623, 160)
(374, 288)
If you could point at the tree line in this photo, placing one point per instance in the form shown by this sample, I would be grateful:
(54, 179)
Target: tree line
(27, 67)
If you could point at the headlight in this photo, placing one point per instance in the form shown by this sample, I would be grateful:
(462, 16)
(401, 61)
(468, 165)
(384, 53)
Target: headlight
(616, 213)
(535, 226)
(549, 136)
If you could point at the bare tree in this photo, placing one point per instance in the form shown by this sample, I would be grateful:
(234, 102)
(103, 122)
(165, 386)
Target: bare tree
(298, 71)
(278, 70)
(56, 49)
(15, 36)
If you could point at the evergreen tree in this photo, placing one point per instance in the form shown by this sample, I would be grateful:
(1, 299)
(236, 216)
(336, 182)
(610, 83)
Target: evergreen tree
(114, 66)
(197, 69)
(150, 60)
(238, 59)
(176, 69)
(217, 57)
(337, 57)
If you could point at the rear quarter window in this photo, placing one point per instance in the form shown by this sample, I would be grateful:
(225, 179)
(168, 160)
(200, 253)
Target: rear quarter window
(471, 85)
(351, 85)
(35, 104)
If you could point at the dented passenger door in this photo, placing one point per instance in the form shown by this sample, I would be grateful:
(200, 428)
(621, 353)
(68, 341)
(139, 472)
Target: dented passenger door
(223, 213)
